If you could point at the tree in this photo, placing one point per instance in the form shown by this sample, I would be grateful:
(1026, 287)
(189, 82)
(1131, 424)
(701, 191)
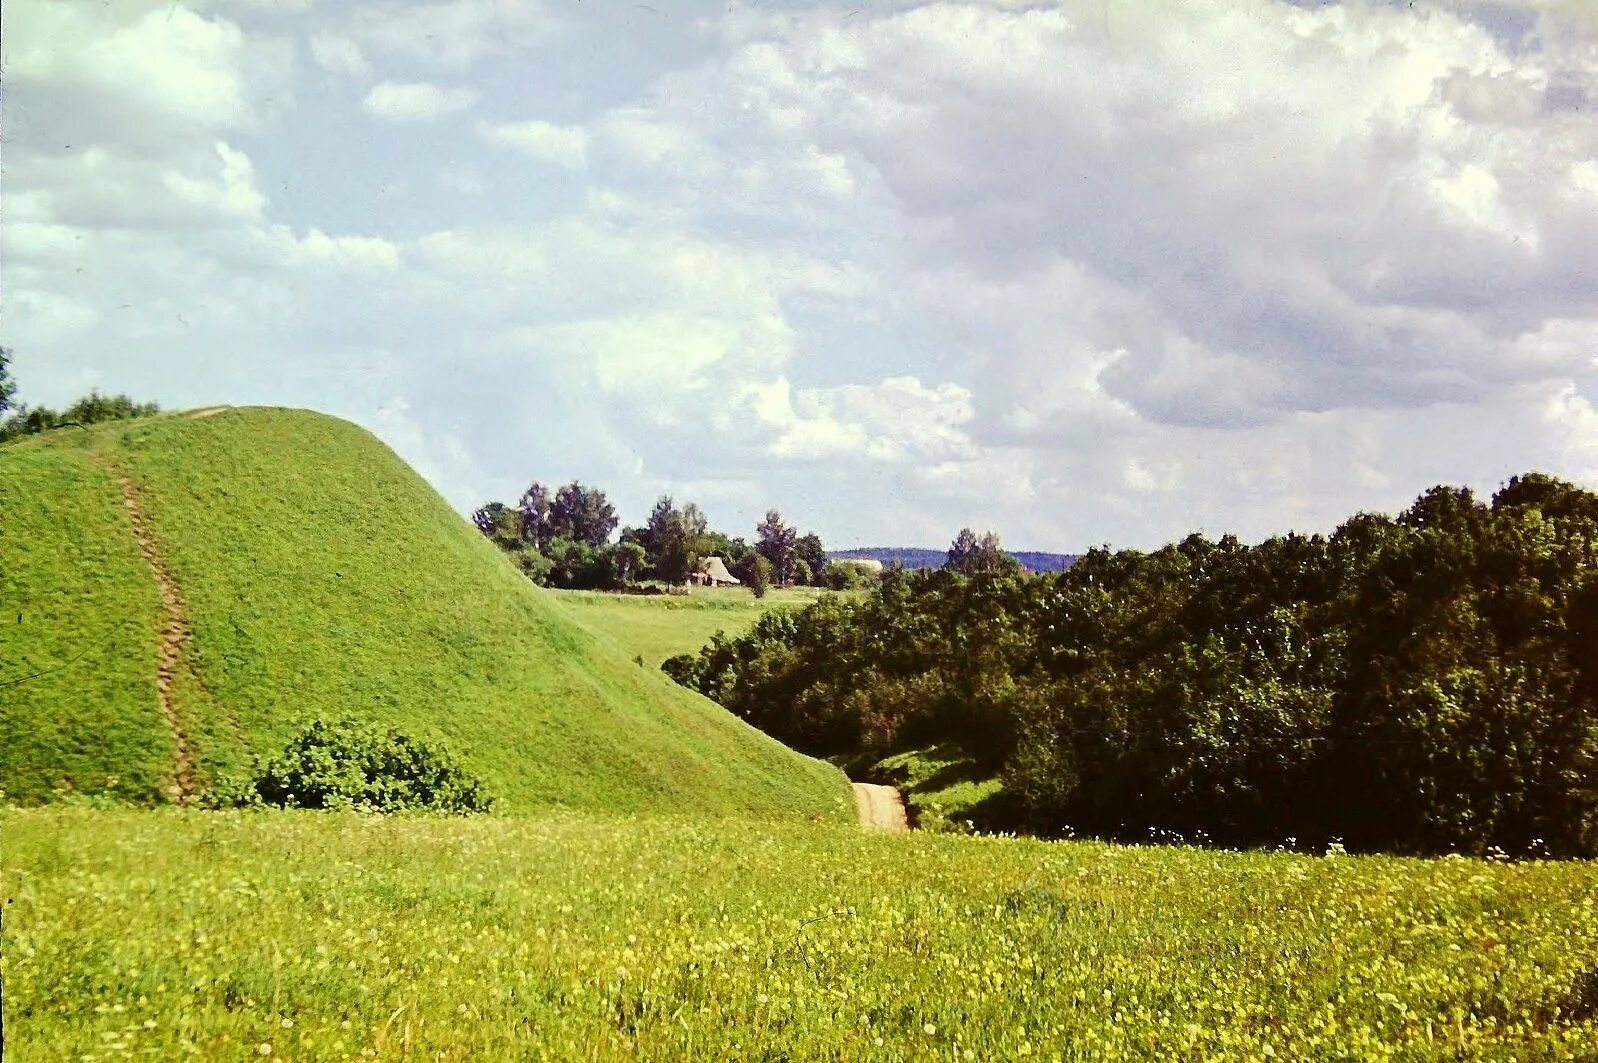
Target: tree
(759, 575)
(8, 385)
(629, 561)
(655, 529)
(92, 408)
(681, 540)
(810, 549)
(775, 541)
(533, 508)
(972, 554)
(583, 514)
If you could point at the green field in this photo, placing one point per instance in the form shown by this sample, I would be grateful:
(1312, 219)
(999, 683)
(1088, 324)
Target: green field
(305, 936)
(321, 577)
(655, 627)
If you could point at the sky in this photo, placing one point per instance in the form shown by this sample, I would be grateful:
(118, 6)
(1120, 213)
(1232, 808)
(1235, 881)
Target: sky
(1096, 273)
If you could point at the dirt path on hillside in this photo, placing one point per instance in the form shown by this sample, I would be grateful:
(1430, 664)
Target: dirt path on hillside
(880, 807)
(174, 633)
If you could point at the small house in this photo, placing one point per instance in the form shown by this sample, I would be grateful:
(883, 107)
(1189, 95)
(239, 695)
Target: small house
(713, 573)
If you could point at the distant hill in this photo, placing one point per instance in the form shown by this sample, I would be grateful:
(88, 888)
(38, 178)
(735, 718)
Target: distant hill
(193, 590)
(916, 557)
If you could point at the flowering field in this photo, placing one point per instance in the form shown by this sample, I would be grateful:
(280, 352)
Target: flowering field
(303, 936)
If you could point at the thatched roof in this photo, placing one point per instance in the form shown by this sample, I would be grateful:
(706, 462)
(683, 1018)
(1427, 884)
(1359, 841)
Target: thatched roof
(715, 569)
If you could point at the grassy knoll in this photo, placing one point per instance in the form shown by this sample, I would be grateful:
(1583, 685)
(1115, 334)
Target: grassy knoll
(324, 578)
(303, 936)
(655, 627)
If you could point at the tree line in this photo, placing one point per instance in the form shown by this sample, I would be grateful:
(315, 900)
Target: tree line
(1420, 684)
(19, 420)
(563, 538)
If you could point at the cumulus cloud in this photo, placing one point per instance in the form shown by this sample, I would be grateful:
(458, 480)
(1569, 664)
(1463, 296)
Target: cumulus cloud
(1081, 274)
(415, 101)
(562, 145)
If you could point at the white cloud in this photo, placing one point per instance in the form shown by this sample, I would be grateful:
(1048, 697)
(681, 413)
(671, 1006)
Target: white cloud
(562, 145)
(1080, 274)
(232, 194)
(415, 101)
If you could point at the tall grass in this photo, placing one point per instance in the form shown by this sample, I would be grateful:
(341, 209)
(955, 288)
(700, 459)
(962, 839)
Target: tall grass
(306, 936)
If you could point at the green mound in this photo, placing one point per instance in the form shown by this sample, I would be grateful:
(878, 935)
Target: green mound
(321, 577)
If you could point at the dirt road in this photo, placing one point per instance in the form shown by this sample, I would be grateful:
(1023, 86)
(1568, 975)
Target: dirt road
(880, 807)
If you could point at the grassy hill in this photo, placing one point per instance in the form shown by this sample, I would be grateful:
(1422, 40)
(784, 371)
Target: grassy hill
(321, 577)
(655, 627)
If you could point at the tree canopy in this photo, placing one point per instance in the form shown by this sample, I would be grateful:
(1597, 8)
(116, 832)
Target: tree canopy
(1425, 683)
(562, 538)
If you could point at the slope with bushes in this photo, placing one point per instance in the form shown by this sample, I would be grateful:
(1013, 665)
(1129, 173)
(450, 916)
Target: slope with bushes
(322, 578)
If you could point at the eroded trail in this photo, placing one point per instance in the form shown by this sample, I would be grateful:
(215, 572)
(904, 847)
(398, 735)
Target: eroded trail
(880, 807)
(174, 633)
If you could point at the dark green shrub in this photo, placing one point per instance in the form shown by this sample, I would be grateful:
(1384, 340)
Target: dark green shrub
(349, 765)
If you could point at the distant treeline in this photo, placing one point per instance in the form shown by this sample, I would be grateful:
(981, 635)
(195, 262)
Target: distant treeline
(19, 420)
(919, 557)
(564, 538)
(1421, 684)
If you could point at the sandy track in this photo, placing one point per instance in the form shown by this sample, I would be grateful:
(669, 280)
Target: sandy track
(174, 634)
(880, 807)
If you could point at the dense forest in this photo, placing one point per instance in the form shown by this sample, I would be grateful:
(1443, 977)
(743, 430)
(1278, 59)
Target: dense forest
(1419, 684)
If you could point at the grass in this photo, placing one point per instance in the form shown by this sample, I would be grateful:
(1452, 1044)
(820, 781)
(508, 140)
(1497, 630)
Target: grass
(300, 936)
(943, 787)
(656, 627)
(77, 602)
(324, 578)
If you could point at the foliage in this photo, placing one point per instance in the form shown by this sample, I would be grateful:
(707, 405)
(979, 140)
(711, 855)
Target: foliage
(8, 384)
(845, 575)
(334, 937)
(776, 541)
(301, 605)
(760, 575)
(93, 408)
(973, 555)
(810, 560)
(1421, 684)
(562, 540)
(350, 765)
(675, 541)
(582, 514)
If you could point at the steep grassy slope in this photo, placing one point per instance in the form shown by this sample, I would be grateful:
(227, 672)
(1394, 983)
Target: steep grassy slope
(78, 604)
(322, 577)
(660, 626)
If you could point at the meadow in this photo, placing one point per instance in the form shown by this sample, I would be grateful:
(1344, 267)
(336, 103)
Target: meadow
(176, 934)
(658, 626)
